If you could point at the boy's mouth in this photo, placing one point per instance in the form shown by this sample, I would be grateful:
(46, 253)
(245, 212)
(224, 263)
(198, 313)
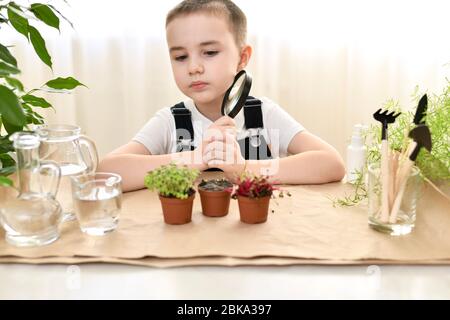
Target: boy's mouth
(198, 85)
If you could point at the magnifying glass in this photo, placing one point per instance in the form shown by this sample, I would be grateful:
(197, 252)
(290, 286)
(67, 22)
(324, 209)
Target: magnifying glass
(236, 96)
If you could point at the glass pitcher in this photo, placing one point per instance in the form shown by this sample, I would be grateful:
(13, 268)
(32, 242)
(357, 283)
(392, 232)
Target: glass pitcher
(74, 153)
(33, 218)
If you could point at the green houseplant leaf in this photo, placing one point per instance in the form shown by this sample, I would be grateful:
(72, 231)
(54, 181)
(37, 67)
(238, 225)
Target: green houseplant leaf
(32, 117)
(13, 82)
(61, 15)
(64, 83)
(6, 160)
(17, 20)
(7, 69)
(39, 46)
(6, 56)
(5, 145)
(10, 108)
(36, 101)
(10, 128)
(45, 14)
(17, 110)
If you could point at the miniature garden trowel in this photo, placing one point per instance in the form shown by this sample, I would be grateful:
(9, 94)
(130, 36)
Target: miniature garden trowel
(419, 118)
(421, 111)
(385, 118)
(422, 137)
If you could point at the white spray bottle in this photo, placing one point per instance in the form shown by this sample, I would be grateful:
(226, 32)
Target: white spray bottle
(356, 154)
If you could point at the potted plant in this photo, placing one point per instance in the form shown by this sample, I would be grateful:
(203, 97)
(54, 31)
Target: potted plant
(215, 196)
(175, 186)
(18, 106)
(253, 194)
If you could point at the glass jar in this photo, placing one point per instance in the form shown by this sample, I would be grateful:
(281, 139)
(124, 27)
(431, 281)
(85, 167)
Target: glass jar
(405, 219)
(97, 201)
(33, 217)
(74, 153)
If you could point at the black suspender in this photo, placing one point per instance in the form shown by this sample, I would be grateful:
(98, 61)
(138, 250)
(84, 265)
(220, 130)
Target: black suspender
(183, 125)
(252, 147)
(253, 114)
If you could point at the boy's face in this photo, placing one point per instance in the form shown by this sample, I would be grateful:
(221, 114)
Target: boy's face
(204, 56)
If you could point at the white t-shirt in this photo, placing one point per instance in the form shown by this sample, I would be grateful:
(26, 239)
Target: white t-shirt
(159, 134)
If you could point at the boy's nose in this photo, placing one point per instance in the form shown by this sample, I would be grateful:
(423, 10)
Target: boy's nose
(195, 67)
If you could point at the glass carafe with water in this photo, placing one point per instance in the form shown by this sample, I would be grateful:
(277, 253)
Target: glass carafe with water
(74, 153)
(33, 217)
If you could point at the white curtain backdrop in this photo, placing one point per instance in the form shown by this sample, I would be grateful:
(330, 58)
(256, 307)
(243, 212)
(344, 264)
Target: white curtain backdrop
(330, 64)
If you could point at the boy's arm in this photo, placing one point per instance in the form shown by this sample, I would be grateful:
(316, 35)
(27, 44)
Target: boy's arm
(312, 161)
(132, 161)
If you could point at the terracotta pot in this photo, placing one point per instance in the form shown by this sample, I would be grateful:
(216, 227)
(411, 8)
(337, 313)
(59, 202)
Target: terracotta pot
(215, 203)
(253, 210)
(177, 211)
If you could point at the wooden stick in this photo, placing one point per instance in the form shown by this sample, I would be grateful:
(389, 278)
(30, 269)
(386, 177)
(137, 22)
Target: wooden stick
(385, 181)
(396, 159)
(393, 167)
(435, 187)
(391, 179)
(399, 197)
(400, 172)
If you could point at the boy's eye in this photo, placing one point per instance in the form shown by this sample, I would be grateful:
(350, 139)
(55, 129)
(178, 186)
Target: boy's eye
(211, 53)
(181, 58)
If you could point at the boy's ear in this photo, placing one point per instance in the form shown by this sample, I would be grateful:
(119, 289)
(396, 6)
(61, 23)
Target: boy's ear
(246, 54)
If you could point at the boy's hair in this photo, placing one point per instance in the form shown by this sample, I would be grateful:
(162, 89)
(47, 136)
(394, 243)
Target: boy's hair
(236, 18)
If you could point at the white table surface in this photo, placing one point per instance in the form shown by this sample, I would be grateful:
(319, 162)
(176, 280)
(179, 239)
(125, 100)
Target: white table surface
(110, 281)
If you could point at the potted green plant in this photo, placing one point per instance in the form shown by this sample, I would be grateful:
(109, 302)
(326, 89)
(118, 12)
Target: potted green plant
(253, 194)
(17, 105)
(215, 197)
(175, 186)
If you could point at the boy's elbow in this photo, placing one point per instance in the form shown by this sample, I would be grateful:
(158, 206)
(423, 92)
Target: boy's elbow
(337, 168)
(338, 172)
(332, 168)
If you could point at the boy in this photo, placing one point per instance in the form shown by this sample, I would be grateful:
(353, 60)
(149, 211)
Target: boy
(207, 45)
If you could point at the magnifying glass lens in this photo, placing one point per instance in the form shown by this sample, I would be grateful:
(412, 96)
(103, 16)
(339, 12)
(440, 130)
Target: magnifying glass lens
(237, 94)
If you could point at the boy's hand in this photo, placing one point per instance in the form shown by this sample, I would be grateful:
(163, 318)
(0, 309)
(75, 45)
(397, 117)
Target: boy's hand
(217, 130)
(214, 132)
(220, 128)
(224, 153)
